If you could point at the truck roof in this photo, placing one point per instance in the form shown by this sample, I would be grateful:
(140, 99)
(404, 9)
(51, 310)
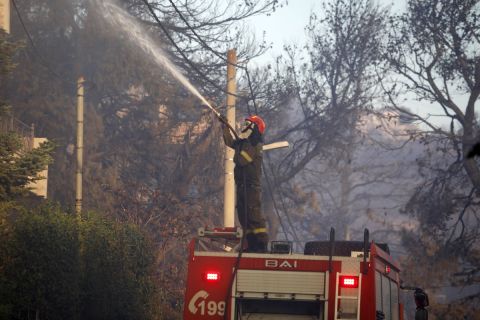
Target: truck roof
(340, 248)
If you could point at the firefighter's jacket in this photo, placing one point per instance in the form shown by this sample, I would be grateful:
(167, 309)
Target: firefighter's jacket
(247, 159)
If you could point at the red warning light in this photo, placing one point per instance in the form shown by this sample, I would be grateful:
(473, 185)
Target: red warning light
(387, 269)
(212, 276)
(348, 281)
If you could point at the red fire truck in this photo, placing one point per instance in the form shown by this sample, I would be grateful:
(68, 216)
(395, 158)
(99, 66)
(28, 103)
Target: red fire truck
(330, 280)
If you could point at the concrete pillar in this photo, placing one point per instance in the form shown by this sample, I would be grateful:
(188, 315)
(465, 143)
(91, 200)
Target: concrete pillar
(229, 186)
(79, 171)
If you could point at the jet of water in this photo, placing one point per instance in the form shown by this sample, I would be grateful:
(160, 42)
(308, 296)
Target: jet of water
(120, 19)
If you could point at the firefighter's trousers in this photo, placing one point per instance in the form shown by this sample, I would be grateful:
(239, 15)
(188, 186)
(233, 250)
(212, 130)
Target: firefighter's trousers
(251, 219)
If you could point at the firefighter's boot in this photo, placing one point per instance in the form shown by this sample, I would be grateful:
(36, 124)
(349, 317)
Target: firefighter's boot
(250, 242)
(262, 242)
(257, 242)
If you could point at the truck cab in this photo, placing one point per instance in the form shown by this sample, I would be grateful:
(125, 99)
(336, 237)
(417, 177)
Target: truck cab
(329, 280)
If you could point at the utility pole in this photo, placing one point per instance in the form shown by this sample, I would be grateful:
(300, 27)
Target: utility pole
(79, 172)
(5, 15)
(229, 186)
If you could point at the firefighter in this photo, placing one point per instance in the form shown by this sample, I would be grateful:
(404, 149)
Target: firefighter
(247, 174)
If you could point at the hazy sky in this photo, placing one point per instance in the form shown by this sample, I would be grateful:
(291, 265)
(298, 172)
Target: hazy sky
(287, 25)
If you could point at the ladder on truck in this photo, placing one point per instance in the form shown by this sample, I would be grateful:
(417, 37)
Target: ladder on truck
(347, 296)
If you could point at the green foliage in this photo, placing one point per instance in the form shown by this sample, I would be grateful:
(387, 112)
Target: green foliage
(19, 166)
(40, 264)
(56, 267)
(117, 264)
(7, 50)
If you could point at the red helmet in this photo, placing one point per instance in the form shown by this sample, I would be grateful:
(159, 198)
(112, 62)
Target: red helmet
(258, 121)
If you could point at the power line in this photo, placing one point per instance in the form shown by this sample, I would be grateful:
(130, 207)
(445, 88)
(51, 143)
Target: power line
(22, 23)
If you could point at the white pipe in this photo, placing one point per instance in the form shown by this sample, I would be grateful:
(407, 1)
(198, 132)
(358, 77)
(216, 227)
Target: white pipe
(229, 185)
(79, 171)
(5, 15)
(275, 145)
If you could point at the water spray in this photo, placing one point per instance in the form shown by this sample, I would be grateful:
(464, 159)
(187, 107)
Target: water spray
(120, 19)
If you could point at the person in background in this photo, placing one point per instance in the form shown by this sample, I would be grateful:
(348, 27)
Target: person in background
(475, 151)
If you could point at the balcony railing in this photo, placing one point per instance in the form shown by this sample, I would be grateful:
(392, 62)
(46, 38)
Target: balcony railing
(11, 124)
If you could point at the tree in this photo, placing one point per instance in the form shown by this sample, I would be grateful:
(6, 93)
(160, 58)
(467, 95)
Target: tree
(433, 55)
(125, 88)
(19, 164)
(340, 81)
(118, 271)
(19, 167)
(39, 265)
(7, 50)
(203, 31)
(432, 50)
(147, 139)
(55, 267)
(326, 97)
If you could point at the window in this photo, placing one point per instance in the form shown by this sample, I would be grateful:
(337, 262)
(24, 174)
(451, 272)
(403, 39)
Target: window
(378, 291)
(394, 300)
(386, 296)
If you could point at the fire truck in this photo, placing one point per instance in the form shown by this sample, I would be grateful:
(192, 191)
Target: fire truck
(330, 280)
